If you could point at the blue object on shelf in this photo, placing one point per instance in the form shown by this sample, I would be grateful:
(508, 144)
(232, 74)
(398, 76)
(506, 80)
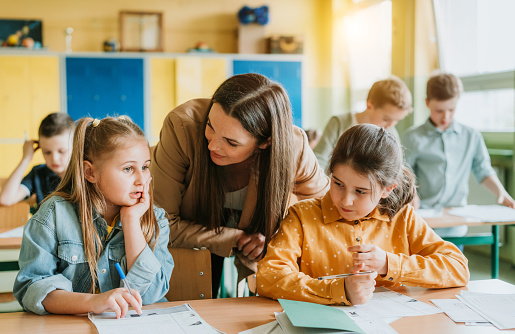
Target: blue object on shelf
(258, 15)
(100, 87)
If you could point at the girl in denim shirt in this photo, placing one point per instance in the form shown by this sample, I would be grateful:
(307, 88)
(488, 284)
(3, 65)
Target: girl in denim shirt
(99, 215)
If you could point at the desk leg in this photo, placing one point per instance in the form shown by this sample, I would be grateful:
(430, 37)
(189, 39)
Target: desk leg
(495, 252)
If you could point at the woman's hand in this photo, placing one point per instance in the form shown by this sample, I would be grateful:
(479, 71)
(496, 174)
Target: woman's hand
(136, 211)
(369, 258)
(251, 246)
(116, 300)
(359, 288)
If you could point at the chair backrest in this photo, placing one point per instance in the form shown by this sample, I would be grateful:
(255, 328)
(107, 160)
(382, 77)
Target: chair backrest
(13, 216)
(191, 276)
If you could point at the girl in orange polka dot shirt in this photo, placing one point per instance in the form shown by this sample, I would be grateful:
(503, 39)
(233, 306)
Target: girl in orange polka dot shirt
(364, 223)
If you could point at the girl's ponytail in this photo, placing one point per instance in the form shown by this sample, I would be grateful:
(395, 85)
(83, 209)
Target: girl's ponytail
(402, 194)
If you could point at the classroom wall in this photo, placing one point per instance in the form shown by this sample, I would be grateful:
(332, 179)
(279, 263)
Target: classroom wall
(187, 22)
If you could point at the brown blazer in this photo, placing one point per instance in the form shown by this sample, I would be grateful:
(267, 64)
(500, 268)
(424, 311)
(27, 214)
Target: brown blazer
(173, 177)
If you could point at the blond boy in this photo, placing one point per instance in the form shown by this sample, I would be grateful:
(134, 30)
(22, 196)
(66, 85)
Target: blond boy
(388, 102)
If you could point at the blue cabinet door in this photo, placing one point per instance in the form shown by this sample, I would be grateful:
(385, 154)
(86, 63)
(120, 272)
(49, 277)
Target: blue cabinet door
(100, 87)
(287, 73)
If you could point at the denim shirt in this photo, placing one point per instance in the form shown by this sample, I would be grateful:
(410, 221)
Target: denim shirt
(52, 256)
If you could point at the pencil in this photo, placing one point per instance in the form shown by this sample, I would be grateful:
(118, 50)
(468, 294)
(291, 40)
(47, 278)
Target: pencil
(345, 275)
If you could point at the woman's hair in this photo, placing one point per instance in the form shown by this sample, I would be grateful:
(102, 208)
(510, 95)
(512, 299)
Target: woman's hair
(95, 140)
(372, 151)
(263, 109)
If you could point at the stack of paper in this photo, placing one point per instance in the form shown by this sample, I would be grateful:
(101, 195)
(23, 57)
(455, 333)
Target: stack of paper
(499, 309)
(14, 233)
(178, 319)
(385, 307)
(302, 317)
(460, 312)
(474, 308)
(485, 213)
(430, 213)
(388, 306)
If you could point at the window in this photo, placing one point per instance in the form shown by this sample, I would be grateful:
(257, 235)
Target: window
(367, 34)
(474, 44)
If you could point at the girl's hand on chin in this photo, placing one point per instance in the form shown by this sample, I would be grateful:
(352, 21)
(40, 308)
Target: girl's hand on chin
(136, 211)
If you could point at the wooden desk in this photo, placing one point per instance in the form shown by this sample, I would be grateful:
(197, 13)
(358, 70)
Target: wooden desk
(447, 220)
(232, 315)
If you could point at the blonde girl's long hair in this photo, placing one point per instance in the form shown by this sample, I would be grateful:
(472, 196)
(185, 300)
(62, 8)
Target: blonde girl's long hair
(263, 109)
(373, 152)
(93, 143)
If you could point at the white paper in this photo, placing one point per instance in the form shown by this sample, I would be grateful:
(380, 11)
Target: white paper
(178, 319)
(14, 233)
(288, 328)
(377, 326)
(458, 311)
(499, 309)
(485, 213)
(429, 213)
(478, 324)
(270, 328)
(388, 304)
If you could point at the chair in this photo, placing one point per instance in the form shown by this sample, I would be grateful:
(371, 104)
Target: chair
(191, 276)
(14, 216)
(11, 217)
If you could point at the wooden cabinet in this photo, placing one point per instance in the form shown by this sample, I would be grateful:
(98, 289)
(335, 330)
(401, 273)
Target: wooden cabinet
(143, 86)
(29, 90)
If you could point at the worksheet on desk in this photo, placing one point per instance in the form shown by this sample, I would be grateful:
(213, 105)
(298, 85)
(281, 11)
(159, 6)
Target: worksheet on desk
(485, 213)
(499, 309)
(389, 306)
(179, 319)
(14, 233)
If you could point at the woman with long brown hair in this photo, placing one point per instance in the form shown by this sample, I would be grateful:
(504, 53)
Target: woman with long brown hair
(225, 170)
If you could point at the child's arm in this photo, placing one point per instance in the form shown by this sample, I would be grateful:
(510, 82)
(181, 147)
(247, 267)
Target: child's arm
(130, 217)
(422, 258)
(493, 184)
(279, 274)
(116, 300)
(12, 191)
(151, 270)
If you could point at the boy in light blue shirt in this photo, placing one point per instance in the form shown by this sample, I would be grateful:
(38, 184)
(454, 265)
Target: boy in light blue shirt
(443, 152)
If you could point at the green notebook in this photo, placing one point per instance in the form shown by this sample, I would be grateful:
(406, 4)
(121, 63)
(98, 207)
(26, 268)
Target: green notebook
(304, 314)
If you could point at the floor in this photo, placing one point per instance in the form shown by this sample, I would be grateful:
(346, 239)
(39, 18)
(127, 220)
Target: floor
(479, 266)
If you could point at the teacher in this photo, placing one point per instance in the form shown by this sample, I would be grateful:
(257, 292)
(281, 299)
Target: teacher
(225, 170)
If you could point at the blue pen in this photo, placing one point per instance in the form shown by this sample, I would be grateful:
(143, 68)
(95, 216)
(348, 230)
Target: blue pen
(122, 276)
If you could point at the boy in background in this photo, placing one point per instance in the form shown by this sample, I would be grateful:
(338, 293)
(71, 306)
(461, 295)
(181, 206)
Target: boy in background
(443, 152)
(388, 102)
(55, 141)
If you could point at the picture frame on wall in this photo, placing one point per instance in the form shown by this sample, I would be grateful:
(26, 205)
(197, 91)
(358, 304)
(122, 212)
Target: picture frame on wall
(141, 31)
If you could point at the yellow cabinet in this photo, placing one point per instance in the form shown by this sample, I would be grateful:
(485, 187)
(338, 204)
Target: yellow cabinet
(29, 90)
